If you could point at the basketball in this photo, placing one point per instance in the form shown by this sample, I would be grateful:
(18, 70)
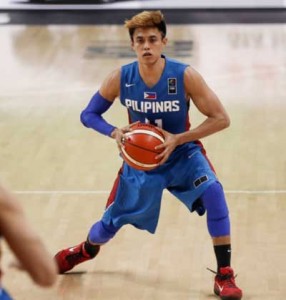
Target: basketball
(139, 146)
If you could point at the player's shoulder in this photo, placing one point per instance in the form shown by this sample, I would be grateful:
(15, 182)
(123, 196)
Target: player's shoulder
(192, 74)
(114, 75)
(129, 66)
(176, 62)
(129, 72)
(111, 85)
(176, 65)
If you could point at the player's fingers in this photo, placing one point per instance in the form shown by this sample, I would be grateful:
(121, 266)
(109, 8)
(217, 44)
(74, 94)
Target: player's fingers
(134, 123)
(119, 146)
(119, 138)
(161, 146)
(128, 128)
(162, 157)
(121, 141)
(163, 160)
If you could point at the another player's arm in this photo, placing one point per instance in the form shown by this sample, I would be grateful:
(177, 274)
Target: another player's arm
(207, 103)
(24, 242)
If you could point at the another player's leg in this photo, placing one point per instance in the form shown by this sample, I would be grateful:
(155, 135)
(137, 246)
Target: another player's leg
(219, 228)
(99, 234)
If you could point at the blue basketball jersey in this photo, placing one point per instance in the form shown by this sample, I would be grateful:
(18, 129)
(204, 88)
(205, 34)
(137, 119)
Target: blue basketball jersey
(164, 104)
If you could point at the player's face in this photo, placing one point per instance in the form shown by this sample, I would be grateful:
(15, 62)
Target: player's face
(148, 44)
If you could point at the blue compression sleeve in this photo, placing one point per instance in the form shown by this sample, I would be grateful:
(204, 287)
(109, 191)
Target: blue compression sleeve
(217, 211)
(101, 233)
(91, 115)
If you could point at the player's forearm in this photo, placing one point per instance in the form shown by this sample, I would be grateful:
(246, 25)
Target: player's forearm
(206, 128)
(29, 249)
(91, 116)
(24, 241)
(37, 261)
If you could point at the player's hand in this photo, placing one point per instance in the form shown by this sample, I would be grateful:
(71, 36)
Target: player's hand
(171, 142)
(118, 134)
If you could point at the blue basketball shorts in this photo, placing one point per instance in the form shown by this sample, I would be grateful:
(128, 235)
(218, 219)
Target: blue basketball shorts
(136, 195)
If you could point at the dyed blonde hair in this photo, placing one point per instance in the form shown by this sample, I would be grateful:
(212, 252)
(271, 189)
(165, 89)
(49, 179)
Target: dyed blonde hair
(147, 19)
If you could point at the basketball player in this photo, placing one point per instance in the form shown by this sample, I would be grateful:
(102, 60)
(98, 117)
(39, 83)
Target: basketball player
(25, 243)
(158, 90)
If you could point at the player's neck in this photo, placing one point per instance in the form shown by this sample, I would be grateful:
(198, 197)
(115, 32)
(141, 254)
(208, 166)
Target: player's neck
(151, 73)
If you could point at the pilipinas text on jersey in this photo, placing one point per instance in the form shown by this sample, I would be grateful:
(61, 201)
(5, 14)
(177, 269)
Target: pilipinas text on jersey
(153, 107)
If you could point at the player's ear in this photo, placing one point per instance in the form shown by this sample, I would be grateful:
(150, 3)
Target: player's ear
(165, 41)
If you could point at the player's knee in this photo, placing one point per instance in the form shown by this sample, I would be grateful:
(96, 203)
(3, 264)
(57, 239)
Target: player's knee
(101, 233)
(214, 201)
(217, 211)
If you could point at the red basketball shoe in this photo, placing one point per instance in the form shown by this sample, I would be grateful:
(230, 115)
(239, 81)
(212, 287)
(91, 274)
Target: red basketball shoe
(68, 258)
(224, 285)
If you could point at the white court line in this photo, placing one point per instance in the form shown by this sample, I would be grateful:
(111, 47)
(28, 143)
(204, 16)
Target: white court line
(255, 192)
(107, 192)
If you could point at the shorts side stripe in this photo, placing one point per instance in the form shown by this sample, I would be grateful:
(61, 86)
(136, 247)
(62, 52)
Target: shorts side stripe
(199, 143)
(113, 192)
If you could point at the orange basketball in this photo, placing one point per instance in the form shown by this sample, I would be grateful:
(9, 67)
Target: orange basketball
(139, 146)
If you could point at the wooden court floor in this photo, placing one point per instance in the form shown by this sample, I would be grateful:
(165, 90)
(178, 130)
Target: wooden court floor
(62, 172)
